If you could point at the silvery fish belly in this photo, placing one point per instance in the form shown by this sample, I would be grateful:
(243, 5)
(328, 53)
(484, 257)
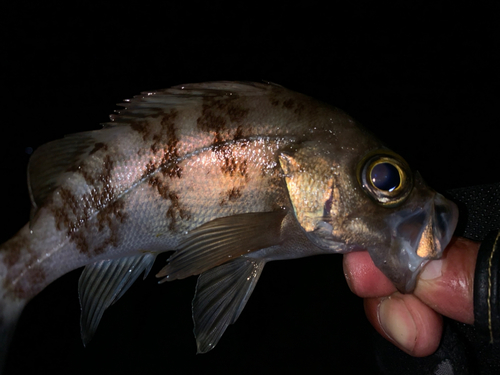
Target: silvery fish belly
(229, 176)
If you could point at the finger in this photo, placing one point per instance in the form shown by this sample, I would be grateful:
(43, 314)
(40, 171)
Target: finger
(407, 322)
(364, 278)
(446, 284)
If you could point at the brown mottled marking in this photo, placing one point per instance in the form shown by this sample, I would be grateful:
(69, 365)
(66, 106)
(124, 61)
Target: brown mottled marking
(32, 278)
(167, 132)
(73, 215)
(169, 164)
(103, 176)
(229, 163)
(288, 104)
(112, 240)
(61, 215)
(274, 95)
(105, 216)
(13, 252)
(105, 220)
(209, 120)
(173, 170)
(141, 127)
(98, 146)
(300, 108)
(80, 240)
(243, 168)
(160, 187)
(149, 169)
(238, 134)
(216, 113)
(236, 113)
(167, 141)
(230, 195)
(175, 206)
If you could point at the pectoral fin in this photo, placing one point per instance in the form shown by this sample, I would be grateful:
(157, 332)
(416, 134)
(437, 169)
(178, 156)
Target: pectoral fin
(221, 295)
(221, 240)
(101, 284)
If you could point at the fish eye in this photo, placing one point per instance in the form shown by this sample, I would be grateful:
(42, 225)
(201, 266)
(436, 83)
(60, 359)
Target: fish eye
(385, 177)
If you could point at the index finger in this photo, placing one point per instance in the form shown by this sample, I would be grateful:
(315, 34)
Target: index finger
(364, 278)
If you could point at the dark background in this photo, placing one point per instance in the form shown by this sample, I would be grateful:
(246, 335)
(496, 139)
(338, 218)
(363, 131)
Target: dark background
(424, 76)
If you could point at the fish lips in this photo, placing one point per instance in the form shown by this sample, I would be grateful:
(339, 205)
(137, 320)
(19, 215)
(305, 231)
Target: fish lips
(418, 235)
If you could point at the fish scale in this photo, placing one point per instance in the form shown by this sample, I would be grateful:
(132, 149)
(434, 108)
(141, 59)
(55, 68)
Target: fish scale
(227, 175)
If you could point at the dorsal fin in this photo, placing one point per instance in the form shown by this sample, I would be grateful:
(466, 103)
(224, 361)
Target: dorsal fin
(50, 161)
(150, 103)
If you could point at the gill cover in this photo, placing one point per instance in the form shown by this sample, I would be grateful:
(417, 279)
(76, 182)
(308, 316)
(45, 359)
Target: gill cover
(315, 195)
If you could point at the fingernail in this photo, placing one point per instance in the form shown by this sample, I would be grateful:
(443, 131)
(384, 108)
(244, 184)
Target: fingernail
(397, 322)
(432, 270)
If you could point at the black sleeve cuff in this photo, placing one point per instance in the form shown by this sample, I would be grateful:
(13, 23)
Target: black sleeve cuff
(486, 289)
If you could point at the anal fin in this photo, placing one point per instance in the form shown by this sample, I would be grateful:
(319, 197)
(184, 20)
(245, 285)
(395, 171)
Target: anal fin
(221, 294)
(101, 284)
(222, 240)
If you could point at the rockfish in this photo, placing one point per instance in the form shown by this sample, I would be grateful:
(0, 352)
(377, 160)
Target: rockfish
(228, 176)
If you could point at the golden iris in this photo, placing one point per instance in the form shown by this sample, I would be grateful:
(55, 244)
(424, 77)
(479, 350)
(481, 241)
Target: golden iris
(385, 177)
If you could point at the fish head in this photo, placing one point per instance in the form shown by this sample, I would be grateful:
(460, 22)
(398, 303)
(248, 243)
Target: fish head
(369, 201)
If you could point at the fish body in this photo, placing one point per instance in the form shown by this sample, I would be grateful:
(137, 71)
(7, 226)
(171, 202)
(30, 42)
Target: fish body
(229, 176)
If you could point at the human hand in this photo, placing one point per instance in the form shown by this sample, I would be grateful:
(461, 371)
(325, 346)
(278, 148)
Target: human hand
(413, 322)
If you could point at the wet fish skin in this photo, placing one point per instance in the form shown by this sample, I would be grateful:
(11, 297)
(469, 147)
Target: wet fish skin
(230, 175)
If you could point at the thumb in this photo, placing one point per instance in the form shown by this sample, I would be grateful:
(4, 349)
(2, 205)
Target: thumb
(447, 284)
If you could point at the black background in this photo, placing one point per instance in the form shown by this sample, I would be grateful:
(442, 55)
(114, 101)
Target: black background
(423, 76)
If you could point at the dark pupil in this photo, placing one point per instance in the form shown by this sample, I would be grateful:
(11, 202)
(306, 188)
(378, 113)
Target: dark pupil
(385, 176)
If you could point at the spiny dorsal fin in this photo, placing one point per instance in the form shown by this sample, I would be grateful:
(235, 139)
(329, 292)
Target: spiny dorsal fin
(101, 284)
(153, 102)
(221, 295)
(221, 240)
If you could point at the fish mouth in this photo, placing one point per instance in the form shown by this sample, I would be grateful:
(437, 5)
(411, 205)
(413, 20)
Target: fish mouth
(417, 236)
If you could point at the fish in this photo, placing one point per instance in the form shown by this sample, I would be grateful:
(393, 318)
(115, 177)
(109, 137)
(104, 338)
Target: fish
(227, 176)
